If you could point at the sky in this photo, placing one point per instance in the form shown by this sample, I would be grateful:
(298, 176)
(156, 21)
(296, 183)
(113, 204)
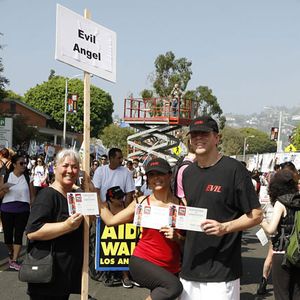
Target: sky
(247, 52)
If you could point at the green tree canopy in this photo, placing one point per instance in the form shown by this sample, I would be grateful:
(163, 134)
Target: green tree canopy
(168, 71)
(296, 138)
(22, 133)
(206, 103)
(233, 141)
(115, 136)
(49, 97)
(261, 142)
(12, 95)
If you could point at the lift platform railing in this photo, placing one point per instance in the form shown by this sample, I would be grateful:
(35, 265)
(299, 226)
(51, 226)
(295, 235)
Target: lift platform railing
(157, 108)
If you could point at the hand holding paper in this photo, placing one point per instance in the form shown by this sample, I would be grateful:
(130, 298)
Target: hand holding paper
(83, 203)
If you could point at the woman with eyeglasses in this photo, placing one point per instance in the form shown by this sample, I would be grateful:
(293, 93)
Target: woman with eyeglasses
(40, 175)
(17, 195)
(94, 166)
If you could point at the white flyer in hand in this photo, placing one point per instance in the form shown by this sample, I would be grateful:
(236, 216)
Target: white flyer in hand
(190, 218)
(83, 203)
(181, 217)
(151, 216)
(262, 237)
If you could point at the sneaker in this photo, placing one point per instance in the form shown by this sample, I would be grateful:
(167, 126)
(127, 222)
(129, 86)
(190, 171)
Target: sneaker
(14, 265)
(135, 283)
(262, 288)
(127, 284)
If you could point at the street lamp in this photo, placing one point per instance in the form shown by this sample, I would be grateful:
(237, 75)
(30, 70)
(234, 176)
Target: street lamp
(65, 111)
(245, 145)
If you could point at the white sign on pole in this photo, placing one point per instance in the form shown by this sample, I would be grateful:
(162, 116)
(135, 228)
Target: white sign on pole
(85, 44)
(6, 132)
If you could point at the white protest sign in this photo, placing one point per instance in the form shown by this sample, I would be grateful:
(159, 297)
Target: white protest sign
(50, 151)
(6, 132)
(85, 44)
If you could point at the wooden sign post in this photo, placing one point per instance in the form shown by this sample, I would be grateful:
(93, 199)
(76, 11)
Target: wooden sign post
(86, 169)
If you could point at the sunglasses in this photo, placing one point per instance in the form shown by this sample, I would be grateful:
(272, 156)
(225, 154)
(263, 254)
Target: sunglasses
(21, 163)
(39, 161)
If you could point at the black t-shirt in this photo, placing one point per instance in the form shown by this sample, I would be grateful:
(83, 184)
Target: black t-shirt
(51, 206)
(227, 192)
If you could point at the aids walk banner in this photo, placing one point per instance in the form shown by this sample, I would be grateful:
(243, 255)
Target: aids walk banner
(85, 44)
(115, 245)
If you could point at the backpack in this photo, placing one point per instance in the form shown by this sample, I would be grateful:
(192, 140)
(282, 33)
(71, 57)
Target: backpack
(181, 162)
(292, 252)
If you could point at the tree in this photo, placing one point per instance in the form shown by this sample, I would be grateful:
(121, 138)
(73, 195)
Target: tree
(115, 136)
(261, 142)
(3, 80)
(49, 97)
(22, 133)
(295, 139)
(205, 103)
(52, 74)
(168, 71)
(146, 94)
(232, 141)
(12, 95)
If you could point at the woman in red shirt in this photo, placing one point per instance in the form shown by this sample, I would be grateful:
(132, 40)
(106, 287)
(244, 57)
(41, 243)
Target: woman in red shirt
(155, 262)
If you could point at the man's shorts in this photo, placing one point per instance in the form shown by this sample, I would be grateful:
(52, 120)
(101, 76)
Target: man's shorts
(210, 290)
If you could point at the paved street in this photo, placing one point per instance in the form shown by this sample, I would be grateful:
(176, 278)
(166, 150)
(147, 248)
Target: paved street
(253, 257)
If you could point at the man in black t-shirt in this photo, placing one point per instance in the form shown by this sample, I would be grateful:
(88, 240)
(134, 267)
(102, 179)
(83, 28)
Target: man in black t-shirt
(212, 265)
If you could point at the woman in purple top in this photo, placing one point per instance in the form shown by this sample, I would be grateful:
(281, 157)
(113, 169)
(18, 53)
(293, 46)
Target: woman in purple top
(15, 207)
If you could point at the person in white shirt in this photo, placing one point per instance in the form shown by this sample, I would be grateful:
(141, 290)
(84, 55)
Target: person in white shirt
(17, 195)
(115, 175)
(40, 175)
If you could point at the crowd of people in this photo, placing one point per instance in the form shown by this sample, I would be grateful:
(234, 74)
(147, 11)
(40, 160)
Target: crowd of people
(171, 263)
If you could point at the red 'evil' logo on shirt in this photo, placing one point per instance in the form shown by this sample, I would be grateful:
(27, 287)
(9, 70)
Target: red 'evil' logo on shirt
(213, 188)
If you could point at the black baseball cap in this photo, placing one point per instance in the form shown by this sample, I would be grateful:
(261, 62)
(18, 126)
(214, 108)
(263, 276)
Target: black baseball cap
(114, 192)
(205, 124)
(159, 165)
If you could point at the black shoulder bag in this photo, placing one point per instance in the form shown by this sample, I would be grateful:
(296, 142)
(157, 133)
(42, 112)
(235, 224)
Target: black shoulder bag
(34, 270)
(38, 270)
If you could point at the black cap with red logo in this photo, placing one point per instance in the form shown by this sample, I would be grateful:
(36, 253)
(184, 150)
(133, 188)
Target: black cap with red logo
(205, 124)
(158, 165)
